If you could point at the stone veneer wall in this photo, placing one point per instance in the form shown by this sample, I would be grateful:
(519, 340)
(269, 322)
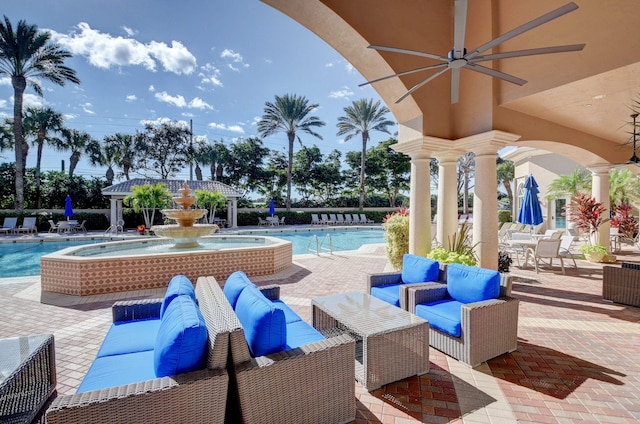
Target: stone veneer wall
(84, 276)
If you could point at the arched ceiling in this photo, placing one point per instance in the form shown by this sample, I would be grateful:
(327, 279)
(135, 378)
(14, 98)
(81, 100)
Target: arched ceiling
(579, 99)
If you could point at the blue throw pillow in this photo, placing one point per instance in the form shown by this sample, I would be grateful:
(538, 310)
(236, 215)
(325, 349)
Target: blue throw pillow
(468, 284)
(181, 345)
(418, 269)
(178, 285)
(234, 285)
(264, 324)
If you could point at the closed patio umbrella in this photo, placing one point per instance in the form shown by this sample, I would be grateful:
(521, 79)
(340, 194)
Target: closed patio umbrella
(530, 211)
(68, 209)
(272, 207)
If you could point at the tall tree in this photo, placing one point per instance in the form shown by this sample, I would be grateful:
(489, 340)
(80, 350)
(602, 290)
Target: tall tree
(362, 117)
(126, 149)
(39, 122)
(244, 166)
(466, 168)
(28, 57)
(74, 141)
(388, 170)
(165, 148)
(505, 171)
(289, 114)
(103, 154)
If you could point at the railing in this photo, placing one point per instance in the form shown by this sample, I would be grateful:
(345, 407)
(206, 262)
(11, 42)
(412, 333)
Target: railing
(320, 245)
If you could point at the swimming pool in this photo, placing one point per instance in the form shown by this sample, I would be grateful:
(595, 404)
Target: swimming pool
(23, 259)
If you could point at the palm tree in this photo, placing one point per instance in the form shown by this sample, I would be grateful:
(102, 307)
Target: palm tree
(289, 114)
(570, 185)
(505, 172)
(76, 142)
(466, 166)
(28, 57)
(125, 147)
(362, 117)
(102, 154)
(39, 122)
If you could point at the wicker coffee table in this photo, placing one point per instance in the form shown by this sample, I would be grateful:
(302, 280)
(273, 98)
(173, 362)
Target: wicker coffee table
(27, 376)
(392, 344)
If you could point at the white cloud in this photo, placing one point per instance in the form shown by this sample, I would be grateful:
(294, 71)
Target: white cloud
(235, 58)
(5, 81)
(152, 88)
(210, 75)
(104, 51)
(31, 100)
(131, 98)
(341, 94)
(86, 107)
(349, 67)
(329, 65)
(130, 32)
(159, 121)
(342, 141)
(4, 104)
(224, 127)
(179, 101)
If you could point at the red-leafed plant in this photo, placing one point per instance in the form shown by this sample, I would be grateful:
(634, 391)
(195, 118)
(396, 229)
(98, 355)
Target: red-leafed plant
(625, 222)
(587, 213)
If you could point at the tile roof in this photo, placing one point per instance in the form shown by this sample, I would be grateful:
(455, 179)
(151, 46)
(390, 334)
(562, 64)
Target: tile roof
(124, 188)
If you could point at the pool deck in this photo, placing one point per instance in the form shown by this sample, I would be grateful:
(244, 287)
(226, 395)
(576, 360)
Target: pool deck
(577, 359)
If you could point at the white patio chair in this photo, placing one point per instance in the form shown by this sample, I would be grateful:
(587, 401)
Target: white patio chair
(545, 250)
(28, 226)
(565, 248)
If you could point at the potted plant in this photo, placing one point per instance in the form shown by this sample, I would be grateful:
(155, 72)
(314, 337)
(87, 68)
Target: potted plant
(594, 252)
(396, 227)
(589, 215)
(460, 250)
(141, 229)
(504, 262)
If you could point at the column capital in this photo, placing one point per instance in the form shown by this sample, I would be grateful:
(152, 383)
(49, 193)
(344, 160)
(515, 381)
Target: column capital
(600, 169)
(487, 143)
(448, 156)
(423, 147)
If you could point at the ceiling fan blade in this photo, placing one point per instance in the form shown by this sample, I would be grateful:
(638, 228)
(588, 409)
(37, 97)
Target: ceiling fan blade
(460, 26)
(424, 68)
(529, 52)
(412, 52)
(569, 7)
(455, 85)
(415, 87)
(494, 73)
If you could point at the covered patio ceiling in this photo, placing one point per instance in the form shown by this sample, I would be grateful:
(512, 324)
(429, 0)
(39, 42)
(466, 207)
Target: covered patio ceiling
(576, 103)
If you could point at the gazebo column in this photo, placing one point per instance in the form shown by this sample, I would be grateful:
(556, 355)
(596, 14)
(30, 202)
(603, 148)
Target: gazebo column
(113, 219)
(447, 219)
(485, 199)
(232, 213)
(600, 191)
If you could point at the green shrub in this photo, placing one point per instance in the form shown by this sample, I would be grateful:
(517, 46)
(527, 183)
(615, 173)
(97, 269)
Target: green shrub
(504, 216)
(396, 234)
(444, 256)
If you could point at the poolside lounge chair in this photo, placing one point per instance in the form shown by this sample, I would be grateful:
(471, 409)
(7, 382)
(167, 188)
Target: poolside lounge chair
(347, 219)
(28, 226)
(325, 219)
(339, 219)
(356, 219)
(546, 249)
(9, 225)
(565, 248)
(53, 227)
(315, 220)
(365, 220)
(333, 219)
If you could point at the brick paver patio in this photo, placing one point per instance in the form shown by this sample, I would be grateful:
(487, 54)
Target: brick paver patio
(578, 357)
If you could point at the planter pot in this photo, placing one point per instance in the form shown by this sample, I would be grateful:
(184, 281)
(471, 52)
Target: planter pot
(596, 256)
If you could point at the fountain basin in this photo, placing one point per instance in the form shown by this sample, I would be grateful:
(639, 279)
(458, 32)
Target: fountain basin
(108, 268)
(185, 237)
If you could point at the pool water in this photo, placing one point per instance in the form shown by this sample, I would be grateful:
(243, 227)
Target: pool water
(23, 259)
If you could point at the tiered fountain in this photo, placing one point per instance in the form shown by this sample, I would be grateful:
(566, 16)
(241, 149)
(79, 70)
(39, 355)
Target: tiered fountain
(185, 232)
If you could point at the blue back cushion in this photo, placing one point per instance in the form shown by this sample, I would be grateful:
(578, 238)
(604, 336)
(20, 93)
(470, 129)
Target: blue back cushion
(181, 345)
(418, 269)
(468, 284)
(264, 324)
(178, 286)
(234, 285)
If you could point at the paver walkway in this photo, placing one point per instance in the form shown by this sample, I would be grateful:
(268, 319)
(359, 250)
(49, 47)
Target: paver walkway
(578, 357)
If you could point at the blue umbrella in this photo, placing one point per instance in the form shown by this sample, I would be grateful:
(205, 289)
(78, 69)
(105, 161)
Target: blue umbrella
(272, 207)
(68, 209)
(530, 211)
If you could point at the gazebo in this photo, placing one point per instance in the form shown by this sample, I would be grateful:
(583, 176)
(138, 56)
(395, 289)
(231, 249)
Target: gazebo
(118, 192)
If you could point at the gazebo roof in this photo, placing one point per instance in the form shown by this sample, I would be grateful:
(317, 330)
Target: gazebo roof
(124, 188)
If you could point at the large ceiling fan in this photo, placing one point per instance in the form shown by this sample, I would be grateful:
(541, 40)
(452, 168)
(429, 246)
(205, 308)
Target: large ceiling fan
(459, 58)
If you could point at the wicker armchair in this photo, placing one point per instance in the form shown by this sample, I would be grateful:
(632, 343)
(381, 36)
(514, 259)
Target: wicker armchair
(622, 285)
(193, 397)
(310, 384)
(489, 328)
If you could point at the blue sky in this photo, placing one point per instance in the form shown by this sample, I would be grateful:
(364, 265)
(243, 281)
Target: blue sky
(214, 62)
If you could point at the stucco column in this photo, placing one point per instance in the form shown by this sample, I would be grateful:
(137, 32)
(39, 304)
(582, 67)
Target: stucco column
(600, 191)
(232, 213)
(485, 193)
(114, 211)
(447, 219)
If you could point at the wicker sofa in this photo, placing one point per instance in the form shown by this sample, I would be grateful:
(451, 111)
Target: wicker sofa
(622, 285)
(197, 396)
(487, 328)
(310, 383)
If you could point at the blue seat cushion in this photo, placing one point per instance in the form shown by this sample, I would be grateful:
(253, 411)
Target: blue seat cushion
(118, 370)
(234, 285)
(390, 293)
(289, 314)
(443, 315)
(264, 324)
(130, 337)
(300, 333)
(178, 285)
(468, 284)
(181, 344)
(418, 269)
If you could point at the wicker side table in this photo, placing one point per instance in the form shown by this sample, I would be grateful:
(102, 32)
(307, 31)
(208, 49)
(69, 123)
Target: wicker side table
(27, 376)
(391, 344)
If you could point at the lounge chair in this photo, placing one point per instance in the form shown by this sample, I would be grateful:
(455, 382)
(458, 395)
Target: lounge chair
(546, 249)
(53, 227)
(565, 248)
(325, 219)
(9, 225)
(28, 226)
(333, 219)
(315, 220)
(365, 220)
(347, 219)
(339, 219)
(356, 219)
